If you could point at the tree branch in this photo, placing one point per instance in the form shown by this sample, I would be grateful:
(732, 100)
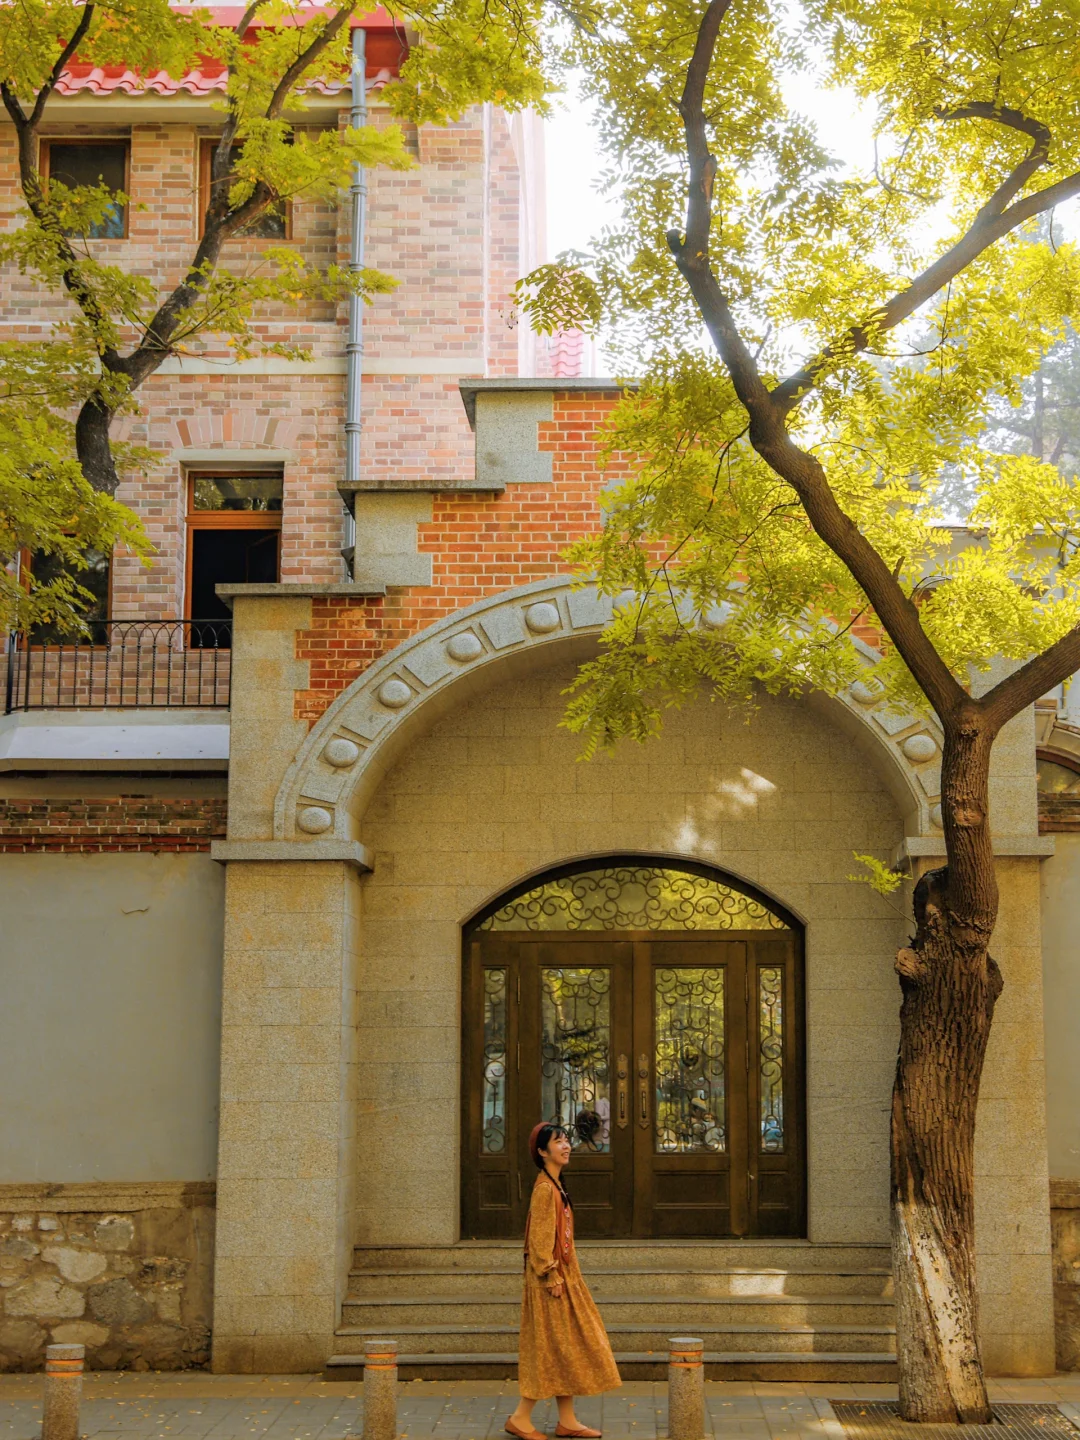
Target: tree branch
(58, 69)
(1005, 115)
(1024, 686)
(305, 58)
(768, 430)
(990, 224)
(247, 17)
(221, 222)
(692, 110)
(12, 106)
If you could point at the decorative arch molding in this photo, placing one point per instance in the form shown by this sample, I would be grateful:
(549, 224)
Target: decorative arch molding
(368, 726)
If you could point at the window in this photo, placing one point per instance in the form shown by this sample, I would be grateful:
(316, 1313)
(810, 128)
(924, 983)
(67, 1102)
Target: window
(234, 536)
(1056, 777)
(94, 577)
(91, 162)
(275, 222)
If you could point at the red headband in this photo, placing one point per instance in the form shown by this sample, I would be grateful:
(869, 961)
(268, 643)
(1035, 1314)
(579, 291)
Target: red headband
(534, 1148)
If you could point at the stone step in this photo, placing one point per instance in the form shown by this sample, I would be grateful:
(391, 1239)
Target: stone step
(835, 1367)
(683, 1312)
(505, 1281)
(595, 1255)
(485, 1338)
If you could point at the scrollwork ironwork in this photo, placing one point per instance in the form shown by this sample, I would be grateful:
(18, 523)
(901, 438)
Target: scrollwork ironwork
(690, 1053)
(494, 1142)
(771, 1057)
(634, 897)
(575, 1053)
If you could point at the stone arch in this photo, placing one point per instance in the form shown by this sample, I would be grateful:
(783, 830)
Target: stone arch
(365, 729)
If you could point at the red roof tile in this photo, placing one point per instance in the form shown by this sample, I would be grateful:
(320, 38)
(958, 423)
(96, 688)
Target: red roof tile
(386, 49)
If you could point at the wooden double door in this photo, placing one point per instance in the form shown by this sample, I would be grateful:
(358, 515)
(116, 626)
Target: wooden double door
(673, 1059)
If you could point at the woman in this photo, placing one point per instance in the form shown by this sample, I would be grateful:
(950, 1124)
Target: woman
(564, 1349)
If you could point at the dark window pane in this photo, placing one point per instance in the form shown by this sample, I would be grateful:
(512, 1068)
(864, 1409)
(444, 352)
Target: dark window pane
(270, 225)
(102, 162)
(238, 492)
(228, 557)
(95, 578)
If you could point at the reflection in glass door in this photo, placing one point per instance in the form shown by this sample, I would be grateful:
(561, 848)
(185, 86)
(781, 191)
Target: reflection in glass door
(690, 1060)
(575, 1054)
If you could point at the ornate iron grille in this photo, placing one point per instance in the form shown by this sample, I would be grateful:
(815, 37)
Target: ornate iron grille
(494, 1062)
(771, 1057)
(575, 1051)
(633, 897)
(690, 1109)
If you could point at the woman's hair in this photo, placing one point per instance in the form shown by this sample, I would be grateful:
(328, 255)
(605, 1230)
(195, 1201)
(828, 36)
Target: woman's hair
(544, 1137)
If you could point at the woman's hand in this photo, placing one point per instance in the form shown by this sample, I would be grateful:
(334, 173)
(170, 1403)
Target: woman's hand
(555, 1290)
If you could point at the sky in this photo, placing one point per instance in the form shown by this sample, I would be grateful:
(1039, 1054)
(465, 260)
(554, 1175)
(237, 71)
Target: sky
(576, 211)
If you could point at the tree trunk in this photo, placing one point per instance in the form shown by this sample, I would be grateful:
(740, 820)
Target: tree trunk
(92, 445)
(950, 985)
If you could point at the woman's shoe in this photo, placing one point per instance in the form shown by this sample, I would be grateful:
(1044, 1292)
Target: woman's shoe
(512, 1429)
(581, 1433)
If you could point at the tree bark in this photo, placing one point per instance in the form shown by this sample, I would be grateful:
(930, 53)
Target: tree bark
(92, 445)
(950, 986)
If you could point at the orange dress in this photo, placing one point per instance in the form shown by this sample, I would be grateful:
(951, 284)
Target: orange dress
(563, 1346)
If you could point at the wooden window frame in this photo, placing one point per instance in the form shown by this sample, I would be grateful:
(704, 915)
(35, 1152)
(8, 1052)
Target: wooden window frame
(224, 519)
(45, 169)
(207, 147)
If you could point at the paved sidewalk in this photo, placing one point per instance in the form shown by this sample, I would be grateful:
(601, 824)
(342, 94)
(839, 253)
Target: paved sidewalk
(299, 1407)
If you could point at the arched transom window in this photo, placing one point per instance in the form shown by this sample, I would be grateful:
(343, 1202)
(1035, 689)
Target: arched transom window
(633, 897)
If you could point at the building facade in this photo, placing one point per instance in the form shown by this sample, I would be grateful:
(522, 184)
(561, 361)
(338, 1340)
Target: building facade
(312, 909)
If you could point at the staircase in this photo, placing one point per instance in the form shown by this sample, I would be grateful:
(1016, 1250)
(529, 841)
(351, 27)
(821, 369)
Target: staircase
(766, 1310)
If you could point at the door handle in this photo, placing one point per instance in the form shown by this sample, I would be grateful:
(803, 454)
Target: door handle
(643, 1091)
(622, 1092)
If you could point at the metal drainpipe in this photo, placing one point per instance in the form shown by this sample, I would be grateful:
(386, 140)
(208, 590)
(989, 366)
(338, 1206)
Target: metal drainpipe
(354, 348)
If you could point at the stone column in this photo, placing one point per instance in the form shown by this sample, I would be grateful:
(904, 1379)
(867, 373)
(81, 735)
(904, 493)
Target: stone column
(286, 1152)
(286, 1156)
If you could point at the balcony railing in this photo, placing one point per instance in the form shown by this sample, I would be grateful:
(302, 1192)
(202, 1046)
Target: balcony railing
(123, 665)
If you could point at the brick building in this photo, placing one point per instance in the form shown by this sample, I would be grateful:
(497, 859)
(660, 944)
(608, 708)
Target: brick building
(307, 914)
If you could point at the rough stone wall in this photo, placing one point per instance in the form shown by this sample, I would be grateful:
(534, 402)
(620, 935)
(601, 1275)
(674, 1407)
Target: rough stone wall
(126, 1270)
(101, 824)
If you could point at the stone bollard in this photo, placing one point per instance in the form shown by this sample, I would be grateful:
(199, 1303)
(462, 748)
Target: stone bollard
(63, 1392)
(380, 1389)
(686, 1389)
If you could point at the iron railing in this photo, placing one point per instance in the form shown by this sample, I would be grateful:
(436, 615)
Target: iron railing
(123, 665)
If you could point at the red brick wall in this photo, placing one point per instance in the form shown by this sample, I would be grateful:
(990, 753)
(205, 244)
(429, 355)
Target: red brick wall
(447, 231)
(112, 822)
(478, 546)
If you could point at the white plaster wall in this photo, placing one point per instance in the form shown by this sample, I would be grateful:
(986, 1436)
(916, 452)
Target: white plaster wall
(1061, 982)
(110, 1016)
(495, 792)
